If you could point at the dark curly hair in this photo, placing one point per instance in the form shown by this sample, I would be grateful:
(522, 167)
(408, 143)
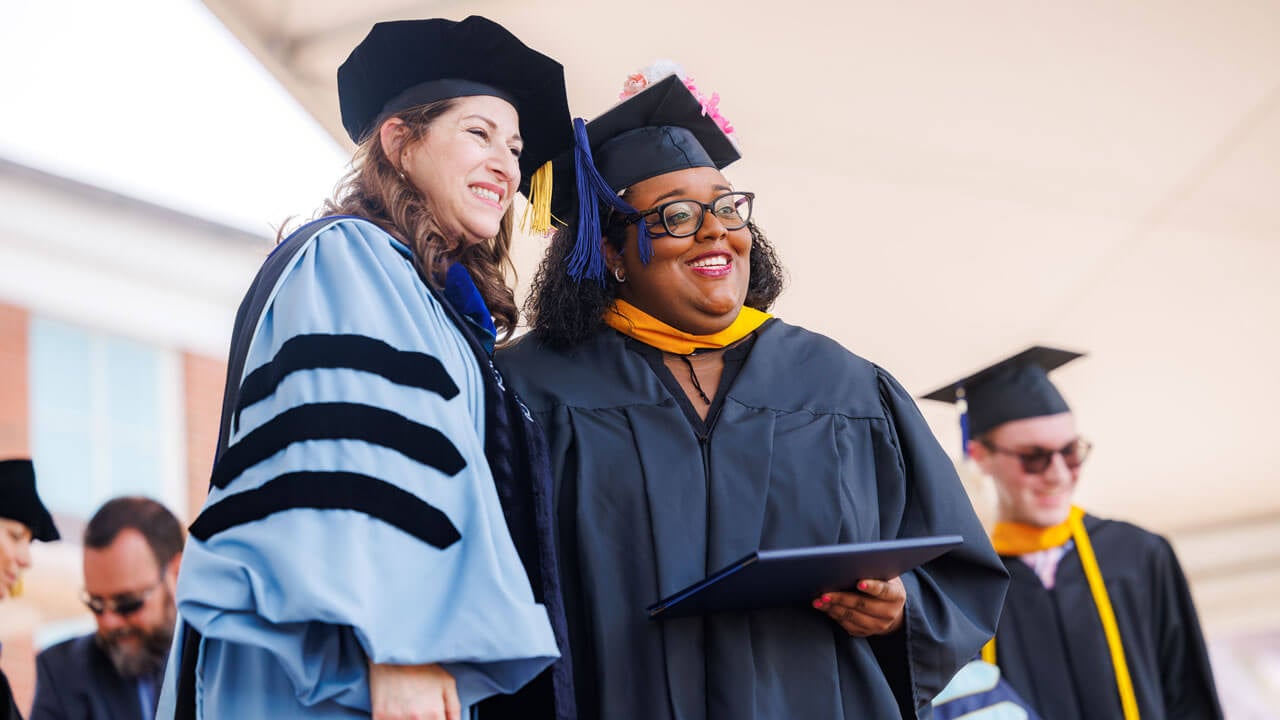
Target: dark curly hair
(565, 312)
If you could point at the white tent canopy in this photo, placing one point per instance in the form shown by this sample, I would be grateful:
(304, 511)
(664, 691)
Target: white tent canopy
(951, 182)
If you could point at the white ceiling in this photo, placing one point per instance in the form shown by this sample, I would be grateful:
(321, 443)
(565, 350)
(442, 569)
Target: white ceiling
(950, 182)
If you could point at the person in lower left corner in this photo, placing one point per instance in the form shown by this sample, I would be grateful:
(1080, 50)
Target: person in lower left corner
(23, 518)
(132, 549)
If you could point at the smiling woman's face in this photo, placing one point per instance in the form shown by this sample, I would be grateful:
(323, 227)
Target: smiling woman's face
(466, 166)
(696, 284)
(15, 553)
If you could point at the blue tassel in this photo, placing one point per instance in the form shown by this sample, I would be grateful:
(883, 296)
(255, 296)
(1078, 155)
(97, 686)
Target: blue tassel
(586, 260)
(964, 422)
(646, 245)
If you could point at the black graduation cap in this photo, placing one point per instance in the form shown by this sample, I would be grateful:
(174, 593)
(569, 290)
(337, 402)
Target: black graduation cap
(19, 501)
(1015, 388)
(406, 63)
(661, 129)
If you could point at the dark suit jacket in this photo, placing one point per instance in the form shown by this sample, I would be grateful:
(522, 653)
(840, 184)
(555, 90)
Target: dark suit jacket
(76, 681)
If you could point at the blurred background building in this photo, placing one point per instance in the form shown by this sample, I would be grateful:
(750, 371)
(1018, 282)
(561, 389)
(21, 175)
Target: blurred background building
(114, 320)
(947, 183)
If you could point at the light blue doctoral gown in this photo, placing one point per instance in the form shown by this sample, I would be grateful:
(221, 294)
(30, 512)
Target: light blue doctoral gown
(358, 518)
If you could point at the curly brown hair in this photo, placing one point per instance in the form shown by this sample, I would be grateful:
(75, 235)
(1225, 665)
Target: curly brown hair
(374, 189)
(565, 312)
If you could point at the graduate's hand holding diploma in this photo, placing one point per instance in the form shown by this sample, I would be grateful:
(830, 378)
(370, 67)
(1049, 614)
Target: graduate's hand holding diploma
(876, 609)
(413, 692)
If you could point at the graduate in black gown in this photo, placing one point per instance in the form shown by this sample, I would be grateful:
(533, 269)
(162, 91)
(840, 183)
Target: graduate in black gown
(1099, 621)
(688, 427)
(23, 518)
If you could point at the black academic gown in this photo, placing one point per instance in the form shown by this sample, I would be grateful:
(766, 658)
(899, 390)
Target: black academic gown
(1052, 648)
(812, 445)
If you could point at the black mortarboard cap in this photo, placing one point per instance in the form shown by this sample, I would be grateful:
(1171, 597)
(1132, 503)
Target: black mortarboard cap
(1015, 388)
(19, 501)
(661, 129)
(406, 63)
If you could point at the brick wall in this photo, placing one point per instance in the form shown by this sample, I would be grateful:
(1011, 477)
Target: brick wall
(15, 436)
(203, 381)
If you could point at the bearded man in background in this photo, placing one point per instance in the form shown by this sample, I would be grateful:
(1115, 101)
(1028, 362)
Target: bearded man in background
(132, 549)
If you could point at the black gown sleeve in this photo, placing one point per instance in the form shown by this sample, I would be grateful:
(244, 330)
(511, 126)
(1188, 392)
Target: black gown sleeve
(954, 601)
(1188, 689)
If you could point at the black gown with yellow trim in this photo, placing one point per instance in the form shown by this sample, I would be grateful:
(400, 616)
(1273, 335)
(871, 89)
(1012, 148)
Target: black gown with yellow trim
(809, 445)
(1051, 646)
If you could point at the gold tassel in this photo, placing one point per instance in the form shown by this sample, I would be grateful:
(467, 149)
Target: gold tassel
(537, 213)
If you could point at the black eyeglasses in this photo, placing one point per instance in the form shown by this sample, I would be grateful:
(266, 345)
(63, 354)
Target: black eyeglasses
(1037, 460)
(682, 218)
(124, 604)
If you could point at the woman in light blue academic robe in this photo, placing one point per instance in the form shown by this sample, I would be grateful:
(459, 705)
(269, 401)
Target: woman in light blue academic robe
(375, 533)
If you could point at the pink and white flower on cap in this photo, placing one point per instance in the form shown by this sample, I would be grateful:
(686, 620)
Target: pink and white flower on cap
(660, 69)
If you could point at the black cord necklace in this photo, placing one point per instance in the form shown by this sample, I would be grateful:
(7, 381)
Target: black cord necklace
(694, 377)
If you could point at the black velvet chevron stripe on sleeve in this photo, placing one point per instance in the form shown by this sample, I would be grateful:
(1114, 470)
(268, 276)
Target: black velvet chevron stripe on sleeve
(355, 352)
(330, 491)
(339, 421)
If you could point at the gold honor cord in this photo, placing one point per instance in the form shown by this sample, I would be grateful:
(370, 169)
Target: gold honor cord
(1102, 600)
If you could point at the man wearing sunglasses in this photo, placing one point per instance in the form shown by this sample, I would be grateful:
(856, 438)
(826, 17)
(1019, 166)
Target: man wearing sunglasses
(1098, 621)
(132, 548)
